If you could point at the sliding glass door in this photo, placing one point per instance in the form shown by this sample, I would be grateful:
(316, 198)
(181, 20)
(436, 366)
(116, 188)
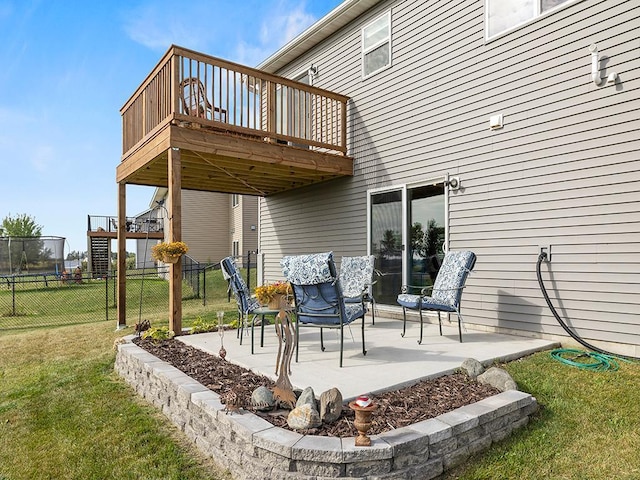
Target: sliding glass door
(407, 232)
(386, 243)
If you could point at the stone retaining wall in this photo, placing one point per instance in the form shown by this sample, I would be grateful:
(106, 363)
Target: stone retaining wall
(252, 448)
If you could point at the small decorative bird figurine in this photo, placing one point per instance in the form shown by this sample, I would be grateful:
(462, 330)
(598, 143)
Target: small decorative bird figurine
(232, 402)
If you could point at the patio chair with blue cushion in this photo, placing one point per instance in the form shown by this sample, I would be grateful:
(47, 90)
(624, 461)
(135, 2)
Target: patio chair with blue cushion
(446, 292)
(356, 278)
(248, 306)
(318, 298)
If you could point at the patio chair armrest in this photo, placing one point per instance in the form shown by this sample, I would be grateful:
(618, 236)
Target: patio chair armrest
(450, 289)
(409, 288)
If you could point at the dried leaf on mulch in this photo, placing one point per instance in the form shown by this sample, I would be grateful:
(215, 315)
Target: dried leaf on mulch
(398, 408)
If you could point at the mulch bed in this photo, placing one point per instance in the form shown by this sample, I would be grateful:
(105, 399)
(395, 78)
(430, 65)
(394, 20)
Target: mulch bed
(398, 408)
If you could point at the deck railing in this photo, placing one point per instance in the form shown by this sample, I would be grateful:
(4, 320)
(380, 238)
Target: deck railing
(96, 223)
(192, 87)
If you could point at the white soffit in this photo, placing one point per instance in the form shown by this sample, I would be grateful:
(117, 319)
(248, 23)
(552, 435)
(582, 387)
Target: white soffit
(316, 33)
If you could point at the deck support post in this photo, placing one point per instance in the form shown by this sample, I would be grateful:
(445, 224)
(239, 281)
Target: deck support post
(122, 256)
(175, 235)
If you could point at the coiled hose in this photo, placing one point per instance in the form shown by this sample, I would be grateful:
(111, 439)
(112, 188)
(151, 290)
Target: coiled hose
(598, 359)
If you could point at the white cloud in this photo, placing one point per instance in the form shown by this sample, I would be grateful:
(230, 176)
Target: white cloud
(157, 25)
(284, 24)
(283, 21)
(41, 157)
(246, 35)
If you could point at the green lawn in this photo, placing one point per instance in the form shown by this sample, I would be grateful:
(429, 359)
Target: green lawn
(588, 426)
(64, 414)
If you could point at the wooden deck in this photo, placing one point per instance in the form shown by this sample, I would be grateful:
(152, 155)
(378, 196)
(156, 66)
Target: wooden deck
(238, 130)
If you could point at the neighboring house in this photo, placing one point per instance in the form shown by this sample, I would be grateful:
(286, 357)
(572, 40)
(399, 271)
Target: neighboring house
(483, 122)
(408, 127)
(214, 225)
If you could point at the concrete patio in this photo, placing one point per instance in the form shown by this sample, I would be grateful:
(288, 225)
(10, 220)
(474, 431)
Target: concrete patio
(391, 360)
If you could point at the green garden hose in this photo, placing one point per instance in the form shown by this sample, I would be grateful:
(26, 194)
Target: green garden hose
(594, 361)
(598, 360)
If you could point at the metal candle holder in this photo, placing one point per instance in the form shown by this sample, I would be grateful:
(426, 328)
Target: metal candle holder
(222, 352)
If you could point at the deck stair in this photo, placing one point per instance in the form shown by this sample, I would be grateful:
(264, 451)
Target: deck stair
(100, 256)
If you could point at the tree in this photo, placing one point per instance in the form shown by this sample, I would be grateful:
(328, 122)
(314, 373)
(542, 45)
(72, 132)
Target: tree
(390, 245)
(76, 255)
(21, 225)
(23, 252)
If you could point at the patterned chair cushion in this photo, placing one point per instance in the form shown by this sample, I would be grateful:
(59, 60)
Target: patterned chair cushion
(356, 274)
(447, 289)
(308, 269)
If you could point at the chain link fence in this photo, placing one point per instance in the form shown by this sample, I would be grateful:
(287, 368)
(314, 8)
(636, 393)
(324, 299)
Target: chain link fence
(42, 300)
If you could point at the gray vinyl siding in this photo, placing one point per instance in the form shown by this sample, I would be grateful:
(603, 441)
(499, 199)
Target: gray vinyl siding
(243, 216)
(249, 219)
(564, 171)
(205, 225)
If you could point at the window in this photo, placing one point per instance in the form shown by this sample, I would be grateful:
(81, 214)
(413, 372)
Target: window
(235, 200)
(376, 45)
(503, 15)
(236, 248)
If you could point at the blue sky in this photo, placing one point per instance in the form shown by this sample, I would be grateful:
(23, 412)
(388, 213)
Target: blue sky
(68, 67)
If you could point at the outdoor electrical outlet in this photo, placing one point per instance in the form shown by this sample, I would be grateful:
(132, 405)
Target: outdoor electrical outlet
(546, 249)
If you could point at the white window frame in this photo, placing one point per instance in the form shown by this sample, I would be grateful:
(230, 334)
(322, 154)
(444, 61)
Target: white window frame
(537, 14)
(235, 199)
(364, 51)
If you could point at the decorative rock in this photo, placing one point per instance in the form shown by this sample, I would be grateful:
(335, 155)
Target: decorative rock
(307, 397)
(262, 398)
(304, 417)
(498, 378)
(473, 367)
(330, 405)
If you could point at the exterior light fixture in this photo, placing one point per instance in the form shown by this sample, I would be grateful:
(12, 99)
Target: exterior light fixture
(452, 182)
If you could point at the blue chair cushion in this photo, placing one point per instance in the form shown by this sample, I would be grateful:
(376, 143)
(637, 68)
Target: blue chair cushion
(352, 311)
(409, 301)
(428, 303)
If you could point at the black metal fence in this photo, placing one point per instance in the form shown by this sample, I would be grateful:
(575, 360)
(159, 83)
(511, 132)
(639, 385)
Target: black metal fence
(28, 301)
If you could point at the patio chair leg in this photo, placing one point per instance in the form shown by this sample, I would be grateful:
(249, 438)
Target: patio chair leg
(253, 322)
(241, 326)
(262, 332)
(341, 341)
(297, 337)
(404, 321)
(460, 326)
(321, 341)
(440, 323)
(421, 328)
(373, 311)
(364, 350)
